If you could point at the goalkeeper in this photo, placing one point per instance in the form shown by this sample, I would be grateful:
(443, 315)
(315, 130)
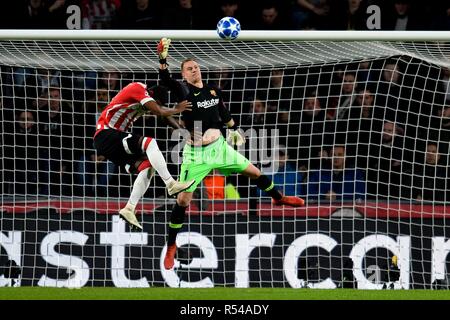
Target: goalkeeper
(207, 149)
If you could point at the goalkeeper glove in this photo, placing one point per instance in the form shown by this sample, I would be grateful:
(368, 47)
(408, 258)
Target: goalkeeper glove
(163, 50)
(236, 136)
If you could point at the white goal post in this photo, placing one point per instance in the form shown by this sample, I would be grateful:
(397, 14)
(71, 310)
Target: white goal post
(356, 122)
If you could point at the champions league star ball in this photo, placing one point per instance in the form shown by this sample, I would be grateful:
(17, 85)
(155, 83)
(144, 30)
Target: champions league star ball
(228, 28)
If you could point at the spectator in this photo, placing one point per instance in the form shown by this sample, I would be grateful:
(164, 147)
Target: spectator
(311, 137)
(279, 90)
(445, 122)
(256, 115)
(339, 106)
(283, 125)
(350, 15)
(184, 16)
(22, 156)
(57, 12)
(270, 18)
(389, 92)
(139, 15)
(363, 121)
(431, 179)
(310, 14)
(401, 17)
(37, 16)
(41, 14)
(366, 73)
(389, 162)
(99, 14)
(338, 183)
(286, 176)
(57, 135)
(34, 83)
(94, 173)
(445, 84)
(110, 80)
(230, 8)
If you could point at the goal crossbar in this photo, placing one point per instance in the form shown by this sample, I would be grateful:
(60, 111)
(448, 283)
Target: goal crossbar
(245, 35)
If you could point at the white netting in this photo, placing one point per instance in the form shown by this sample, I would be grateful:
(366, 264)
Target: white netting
(383, 106)
(138, 56)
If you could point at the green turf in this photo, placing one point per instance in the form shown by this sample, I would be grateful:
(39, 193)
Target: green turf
(41, 293)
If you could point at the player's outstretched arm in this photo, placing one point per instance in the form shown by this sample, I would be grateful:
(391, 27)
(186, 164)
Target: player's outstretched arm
(157, 110)
(163, 50)
(164, 75)
(172, 122)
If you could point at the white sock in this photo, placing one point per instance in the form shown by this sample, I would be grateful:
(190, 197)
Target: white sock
(140, 185)
(158, 162)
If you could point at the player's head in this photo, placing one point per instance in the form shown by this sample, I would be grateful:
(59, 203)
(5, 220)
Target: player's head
(338, 157)
(190, 71)
(25, 119)
(432, 156)
(159, 93)
(55, 99)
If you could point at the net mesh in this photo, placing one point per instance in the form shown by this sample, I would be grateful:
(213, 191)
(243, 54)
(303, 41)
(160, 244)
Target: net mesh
(358, 129)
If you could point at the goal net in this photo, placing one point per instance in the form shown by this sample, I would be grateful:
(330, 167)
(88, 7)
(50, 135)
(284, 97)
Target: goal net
(358, 128)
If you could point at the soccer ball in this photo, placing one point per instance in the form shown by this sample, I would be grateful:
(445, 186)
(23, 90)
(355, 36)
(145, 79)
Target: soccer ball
(228, 28)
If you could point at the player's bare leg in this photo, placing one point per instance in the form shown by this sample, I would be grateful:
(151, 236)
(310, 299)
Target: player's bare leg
(159, 163)
(140, 186)
(265, 184)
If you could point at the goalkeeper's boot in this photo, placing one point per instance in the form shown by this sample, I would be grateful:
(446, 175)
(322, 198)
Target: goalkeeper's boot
(289, 201)
(182, 255)
(127, 213)
(169, 259)
(176, 187)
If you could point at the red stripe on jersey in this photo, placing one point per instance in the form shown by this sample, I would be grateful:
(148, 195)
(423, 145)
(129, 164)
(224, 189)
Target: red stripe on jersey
(111, 110)
(124, 120)
(121, 112)
(133, 117)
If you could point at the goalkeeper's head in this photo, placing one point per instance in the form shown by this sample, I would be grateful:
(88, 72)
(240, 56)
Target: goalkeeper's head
(190, 71)
(159, 93)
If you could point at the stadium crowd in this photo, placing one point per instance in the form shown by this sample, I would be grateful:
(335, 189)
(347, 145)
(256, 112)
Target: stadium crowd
(376, 129)
(204, 14)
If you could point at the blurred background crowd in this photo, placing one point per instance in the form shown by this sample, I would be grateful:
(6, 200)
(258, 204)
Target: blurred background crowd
(204, 14)
(377, 130)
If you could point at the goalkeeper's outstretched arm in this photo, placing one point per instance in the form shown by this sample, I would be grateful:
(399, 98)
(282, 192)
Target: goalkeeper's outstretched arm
(175, 86)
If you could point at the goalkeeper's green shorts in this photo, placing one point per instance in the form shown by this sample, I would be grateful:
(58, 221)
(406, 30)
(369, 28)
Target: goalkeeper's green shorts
(199, 161)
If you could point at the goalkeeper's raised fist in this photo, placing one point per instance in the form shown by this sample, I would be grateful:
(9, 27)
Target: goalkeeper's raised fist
(163, 50)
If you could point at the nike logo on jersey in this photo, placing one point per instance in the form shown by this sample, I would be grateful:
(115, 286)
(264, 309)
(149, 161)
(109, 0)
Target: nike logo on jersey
(196, 94)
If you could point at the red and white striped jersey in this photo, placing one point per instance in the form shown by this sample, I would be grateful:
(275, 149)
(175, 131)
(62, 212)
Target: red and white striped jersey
(125, 108)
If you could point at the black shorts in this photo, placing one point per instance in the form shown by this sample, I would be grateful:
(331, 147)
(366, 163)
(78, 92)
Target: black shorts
(122, 148)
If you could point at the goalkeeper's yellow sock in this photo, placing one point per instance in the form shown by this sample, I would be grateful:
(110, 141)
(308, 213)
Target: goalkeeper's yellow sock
(176, 222)
(264, 183)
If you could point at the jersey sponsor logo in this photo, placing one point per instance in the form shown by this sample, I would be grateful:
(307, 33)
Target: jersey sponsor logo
(208, 103)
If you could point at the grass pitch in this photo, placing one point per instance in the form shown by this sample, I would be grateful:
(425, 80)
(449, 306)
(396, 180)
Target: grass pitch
(44, 293)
